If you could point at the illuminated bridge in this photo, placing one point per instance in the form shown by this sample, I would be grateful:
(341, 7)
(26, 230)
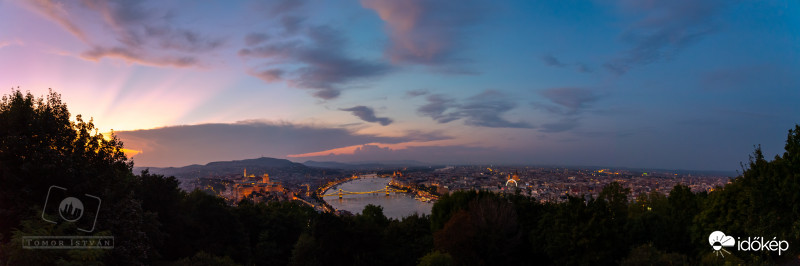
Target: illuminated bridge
(341, 192)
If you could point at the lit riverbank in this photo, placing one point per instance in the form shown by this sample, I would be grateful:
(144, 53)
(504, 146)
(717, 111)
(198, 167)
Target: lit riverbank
(396, 205)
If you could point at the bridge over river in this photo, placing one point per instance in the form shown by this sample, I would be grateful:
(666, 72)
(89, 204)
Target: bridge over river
(387, 190)
(354, 194)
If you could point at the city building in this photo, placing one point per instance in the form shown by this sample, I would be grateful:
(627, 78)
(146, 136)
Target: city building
(248, 187)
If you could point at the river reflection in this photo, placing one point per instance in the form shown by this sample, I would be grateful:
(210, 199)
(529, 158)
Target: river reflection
(396, 205)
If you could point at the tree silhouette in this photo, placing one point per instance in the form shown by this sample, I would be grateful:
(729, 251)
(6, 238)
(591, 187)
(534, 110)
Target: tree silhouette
(763, 201)
(40, 147)
(486, 232)
(157, 223)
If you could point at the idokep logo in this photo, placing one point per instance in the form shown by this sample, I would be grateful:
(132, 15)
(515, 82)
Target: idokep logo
(719, 241)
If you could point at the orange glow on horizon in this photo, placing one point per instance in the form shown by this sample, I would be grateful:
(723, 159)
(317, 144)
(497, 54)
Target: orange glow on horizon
(337, 151)
(349, 150)
(130, 153)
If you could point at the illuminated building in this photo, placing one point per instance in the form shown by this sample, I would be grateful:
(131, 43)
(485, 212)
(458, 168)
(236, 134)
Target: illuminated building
(248, 187)
(513, 179)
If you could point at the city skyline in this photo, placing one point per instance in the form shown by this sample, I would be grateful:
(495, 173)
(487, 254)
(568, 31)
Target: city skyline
(671, 85)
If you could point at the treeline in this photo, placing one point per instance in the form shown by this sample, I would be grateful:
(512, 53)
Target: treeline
(155, 223)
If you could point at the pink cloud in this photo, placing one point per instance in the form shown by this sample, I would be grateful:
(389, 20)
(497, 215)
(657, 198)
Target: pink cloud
(271, 75)
(132, 56)
(432, 153)
(10, 43)
(57, 12)
(127, 30)
(424, 32)
(319, 63)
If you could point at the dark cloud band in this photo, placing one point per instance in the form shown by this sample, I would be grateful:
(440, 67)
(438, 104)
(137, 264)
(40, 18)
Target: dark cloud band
(368, 114)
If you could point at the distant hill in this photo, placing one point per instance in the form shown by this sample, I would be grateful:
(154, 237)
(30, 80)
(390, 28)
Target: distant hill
(366, 165)
(225, 168)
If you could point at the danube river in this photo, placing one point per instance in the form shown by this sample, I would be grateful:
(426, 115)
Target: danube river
(396, 205)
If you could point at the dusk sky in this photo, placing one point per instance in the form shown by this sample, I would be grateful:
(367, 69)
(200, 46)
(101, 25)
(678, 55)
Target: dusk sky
(676, 84)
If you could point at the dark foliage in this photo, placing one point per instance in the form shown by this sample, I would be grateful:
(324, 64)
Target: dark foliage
(154, 222)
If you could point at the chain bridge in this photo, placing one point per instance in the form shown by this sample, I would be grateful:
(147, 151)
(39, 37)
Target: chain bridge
(341, 193)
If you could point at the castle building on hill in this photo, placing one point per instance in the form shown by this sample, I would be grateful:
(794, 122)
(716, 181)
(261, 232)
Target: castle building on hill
(249, 186)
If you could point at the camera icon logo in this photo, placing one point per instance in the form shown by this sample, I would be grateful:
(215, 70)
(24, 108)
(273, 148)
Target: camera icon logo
(79, 209)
